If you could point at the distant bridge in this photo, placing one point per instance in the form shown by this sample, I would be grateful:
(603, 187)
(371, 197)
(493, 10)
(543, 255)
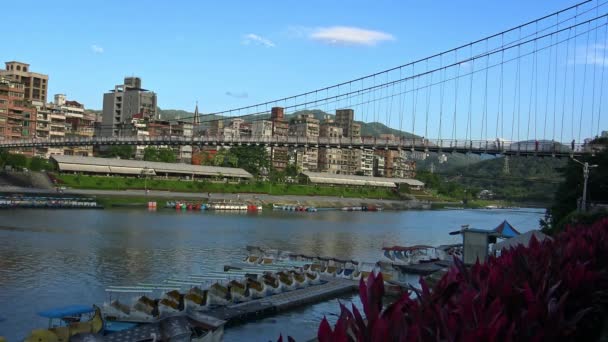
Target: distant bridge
(492, 147)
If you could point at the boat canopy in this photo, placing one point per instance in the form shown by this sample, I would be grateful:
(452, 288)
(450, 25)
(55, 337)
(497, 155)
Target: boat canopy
(406, 249)
(66, 311)
(505, 229)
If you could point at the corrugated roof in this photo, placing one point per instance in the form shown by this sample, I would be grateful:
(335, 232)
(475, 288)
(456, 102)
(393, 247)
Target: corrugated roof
(523, 239)
(123, 166)
(329, 178)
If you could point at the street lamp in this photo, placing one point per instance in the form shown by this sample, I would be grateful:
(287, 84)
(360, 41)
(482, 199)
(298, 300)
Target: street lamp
(586, 168)
(145, 172)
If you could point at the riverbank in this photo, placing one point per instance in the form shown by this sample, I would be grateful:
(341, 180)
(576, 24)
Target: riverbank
(111, 198)
(187, 186)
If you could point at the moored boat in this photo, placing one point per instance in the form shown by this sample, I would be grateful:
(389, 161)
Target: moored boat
(68, 321)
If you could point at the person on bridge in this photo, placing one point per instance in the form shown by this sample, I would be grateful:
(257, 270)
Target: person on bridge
(536, 145)
(572, 144)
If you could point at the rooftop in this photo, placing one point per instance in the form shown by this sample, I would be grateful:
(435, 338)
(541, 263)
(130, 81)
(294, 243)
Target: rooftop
(139, 167)
(329, 178)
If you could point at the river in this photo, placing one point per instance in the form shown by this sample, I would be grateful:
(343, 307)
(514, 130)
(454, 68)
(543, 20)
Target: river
(53, 258)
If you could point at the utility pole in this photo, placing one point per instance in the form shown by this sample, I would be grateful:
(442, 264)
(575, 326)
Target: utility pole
(586, 168)
(505, 168)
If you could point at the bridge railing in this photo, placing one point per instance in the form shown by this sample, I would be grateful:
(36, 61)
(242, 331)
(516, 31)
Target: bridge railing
(419, 144)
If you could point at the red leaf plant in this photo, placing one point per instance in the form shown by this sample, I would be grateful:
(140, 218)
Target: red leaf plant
(554, 290)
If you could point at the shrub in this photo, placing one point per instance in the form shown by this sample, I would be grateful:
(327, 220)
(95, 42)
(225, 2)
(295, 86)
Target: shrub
(551, 290)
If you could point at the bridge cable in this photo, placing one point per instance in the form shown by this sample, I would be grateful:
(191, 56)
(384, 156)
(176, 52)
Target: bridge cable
(414, 99)
(456, 83)
(574, 82)
(441, 93)
(499, 112)
(561, 138)
(428, 101)
(517, 94)
(548, 87)
(555, 83)
(580, 124)
(470, 97)
(484, 118)
(604, 65)
(576, 6)
(401, 102)
(531, 91)
(594, 61)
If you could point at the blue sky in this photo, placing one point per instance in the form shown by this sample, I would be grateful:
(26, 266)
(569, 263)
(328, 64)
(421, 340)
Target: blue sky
(191, 50)
(228, 54)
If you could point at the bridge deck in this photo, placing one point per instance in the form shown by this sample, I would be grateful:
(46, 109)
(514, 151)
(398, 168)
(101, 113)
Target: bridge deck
(494, 147)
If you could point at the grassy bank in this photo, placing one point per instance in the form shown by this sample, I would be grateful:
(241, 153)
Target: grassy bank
(122, 183)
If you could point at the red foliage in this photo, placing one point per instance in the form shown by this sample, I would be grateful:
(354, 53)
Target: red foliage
(551, 290)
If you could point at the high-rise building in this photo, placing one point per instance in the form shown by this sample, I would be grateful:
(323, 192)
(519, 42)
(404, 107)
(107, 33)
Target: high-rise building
(280, 129)
(330, 159)
(305, 126)
(17, 115)
(345, 118)
(35, 84)
(126, 100)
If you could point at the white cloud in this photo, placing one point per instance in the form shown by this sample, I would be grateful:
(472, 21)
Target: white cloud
(96, 49)
(238, 95)
(345, 35)
(593, 54)
(252, 38)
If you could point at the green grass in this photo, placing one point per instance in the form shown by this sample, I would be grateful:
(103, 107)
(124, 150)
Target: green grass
(123, 183)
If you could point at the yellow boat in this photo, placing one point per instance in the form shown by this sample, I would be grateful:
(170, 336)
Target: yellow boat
(66, 322)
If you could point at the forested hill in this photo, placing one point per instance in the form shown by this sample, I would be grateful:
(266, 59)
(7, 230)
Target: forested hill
(529, 179)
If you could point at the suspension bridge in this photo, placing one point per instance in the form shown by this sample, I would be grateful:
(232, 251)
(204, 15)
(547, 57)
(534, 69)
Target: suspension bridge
(536, 89)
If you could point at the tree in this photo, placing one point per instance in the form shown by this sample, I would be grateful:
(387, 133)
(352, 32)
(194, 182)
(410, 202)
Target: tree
(39, 164)
(571, 189)
(251, 158)
(150, 154)
(122, 152)
(165, 155)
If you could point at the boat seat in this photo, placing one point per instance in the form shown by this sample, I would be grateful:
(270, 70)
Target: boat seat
(193, 297)
(80, 327)
(120, 306)
(62, 333)
(42, 335)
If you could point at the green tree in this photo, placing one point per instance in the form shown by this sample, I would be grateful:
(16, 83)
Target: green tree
(165, 155)
(251, 158)
(571, 189)
(123, 152)
(39, 164)
(151, 154)
(16, 160)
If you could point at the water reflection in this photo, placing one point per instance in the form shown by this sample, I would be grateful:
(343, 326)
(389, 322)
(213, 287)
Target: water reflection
(58, 257)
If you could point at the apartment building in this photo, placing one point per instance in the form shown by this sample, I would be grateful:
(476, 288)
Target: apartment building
(124, 101)
(330, 159)
(305, 126)
(35, 84)
(17, 116)
(280, 129)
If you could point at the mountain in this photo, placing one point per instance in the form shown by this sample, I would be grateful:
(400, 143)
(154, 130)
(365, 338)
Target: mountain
(374, 129)
(529, 179)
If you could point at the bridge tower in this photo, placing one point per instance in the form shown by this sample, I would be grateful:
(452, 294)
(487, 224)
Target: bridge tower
(505, 168)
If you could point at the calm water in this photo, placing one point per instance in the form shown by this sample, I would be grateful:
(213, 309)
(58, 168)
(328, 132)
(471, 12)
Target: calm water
(58, 257)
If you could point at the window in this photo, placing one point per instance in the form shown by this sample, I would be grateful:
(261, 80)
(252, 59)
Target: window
(25, 69)
(18, 68)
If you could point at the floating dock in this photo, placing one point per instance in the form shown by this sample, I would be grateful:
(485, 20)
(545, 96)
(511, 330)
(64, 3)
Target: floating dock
(424, 268)
(242, 312)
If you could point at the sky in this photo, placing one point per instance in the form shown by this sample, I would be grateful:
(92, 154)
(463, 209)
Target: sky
(227, 54)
